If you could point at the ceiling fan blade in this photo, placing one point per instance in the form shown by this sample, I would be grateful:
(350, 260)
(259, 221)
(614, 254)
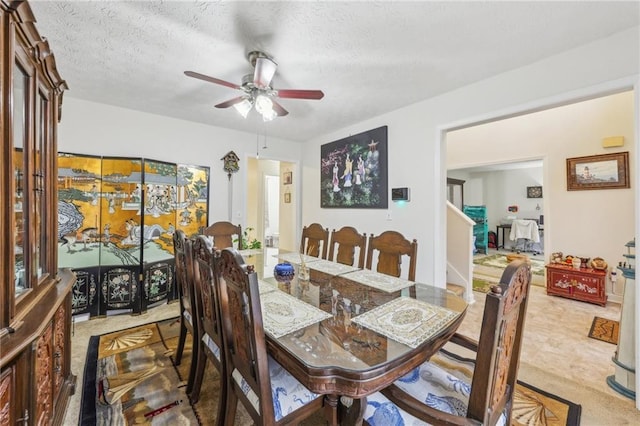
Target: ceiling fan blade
(211, 79)
(300, 94)
(279, 109)
(265, 70)
(231, 102)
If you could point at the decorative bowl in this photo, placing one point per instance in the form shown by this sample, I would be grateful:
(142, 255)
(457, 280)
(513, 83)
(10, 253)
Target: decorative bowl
(283, 272)
(598, 263)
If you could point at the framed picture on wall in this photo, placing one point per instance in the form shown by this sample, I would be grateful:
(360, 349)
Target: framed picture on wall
(288, 178)
(605, 171)
(353, 171)
(534, 192)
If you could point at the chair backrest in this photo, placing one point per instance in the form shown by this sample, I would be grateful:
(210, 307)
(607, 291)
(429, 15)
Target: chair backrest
(223, 233)
(348, 239)
(498, 357)
(315, 240)
(207, 289)
(390, 247)
(182, 249)
(245, 345)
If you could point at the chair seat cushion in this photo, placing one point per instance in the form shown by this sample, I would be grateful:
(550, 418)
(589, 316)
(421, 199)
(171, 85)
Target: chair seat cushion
(213, 347)
(442, 384)
(187, 315)
(287, 392)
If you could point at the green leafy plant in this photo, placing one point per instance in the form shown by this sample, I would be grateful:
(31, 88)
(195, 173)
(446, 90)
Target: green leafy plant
(247, 241)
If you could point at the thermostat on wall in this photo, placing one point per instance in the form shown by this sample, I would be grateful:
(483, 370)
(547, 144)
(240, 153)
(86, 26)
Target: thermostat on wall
(400, 194)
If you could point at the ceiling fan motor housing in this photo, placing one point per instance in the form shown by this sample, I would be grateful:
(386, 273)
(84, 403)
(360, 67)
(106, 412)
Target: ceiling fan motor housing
(255, 54)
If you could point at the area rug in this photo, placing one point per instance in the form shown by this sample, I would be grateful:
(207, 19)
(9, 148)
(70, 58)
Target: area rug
(129, 378)
(483, 285)
(500, 261)
(605, 329)
(531, 406)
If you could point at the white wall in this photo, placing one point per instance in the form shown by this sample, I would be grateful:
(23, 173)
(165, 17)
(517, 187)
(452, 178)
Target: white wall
(98, 129)
(595, 223)
(417, 155)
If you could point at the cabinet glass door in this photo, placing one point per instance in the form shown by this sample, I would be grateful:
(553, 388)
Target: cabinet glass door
(20, 237)
(40, 192)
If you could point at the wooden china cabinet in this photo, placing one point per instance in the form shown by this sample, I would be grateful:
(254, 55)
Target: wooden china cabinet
(35, 297)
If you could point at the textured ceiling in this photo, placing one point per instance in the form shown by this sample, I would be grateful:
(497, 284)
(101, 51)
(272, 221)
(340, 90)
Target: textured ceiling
(368, 58)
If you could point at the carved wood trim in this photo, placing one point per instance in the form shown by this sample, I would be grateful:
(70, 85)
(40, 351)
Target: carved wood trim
(43, 382)
(7, 397)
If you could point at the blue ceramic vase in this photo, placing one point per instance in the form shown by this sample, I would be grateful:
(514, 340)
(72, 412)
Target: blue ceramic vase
(283, 272)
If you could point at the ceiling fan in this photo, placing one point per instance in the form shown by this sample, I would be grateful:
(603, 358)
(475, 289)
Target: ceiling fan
(257, 89)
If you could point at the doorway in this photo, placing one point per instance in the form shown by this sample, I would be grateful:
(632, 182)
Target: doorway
(504, 190)
(271, 203)
(271, 211)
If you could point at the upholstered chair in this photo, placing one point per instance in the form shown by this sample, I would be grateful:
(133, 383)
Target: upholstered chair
(315, 240)
(223, 234)
(270, 394)
(345, 244)
(390, 247)
(210, 341)
(182, 248)
(439, 392)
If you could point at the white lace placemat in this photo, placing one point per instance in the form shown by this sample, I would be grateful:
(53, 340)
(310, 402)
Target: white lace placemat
(406, 320)
(295, 258)
(283, 314)
(250, 252)
(332, 268)
(378, 280)
(265, 287)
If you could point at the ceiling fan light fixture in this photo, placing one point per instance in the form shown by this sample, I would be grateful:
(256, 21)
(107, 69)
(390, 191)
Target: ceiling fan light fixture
(243, 107)
(269, 115)
(264, 106)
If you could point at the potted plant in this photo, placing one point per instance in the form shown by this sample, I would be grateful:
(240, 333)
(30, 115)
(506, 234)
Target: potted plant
(247, 241)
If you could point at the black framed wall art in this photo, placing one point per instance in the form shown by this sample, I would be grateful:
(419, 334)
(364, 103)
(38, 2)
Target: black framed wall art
(534, 192)
(354, 172)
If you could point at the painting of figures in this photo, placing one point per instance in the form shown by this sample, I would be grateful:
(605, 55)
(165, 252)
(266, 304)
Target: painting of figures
(353, 171)
(79, 209)
(116, 218)
(193, 199)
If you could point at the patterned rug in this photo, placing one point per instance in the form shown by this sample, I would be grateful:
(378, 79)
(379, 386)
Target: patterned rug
(500, 261)
(531, 406)
(129, 378)
(483, 285)
(487, 270)
(605, 329)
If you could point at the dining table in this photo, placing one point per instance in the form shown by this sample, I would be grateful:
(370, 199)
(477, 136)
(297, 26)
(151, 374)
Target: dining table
(346, 332)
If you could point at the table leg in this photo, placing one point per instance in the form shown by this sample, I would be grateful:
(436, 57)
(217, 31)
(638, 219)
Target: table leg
(352, 411)
(331, 409)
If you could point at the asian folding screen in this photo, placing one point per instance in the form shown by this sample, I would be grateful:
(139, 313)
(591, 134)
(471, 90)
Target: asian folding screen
(116, 218)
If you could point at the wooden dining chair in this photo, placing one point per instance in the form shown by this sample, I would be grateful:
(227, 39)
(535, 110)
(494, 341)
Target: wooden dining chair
(270, 394)
(347, 240)
(207, 287)
(390, 247)
(183, 253)
(223, 234)
(438, 395)
(315, 240)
